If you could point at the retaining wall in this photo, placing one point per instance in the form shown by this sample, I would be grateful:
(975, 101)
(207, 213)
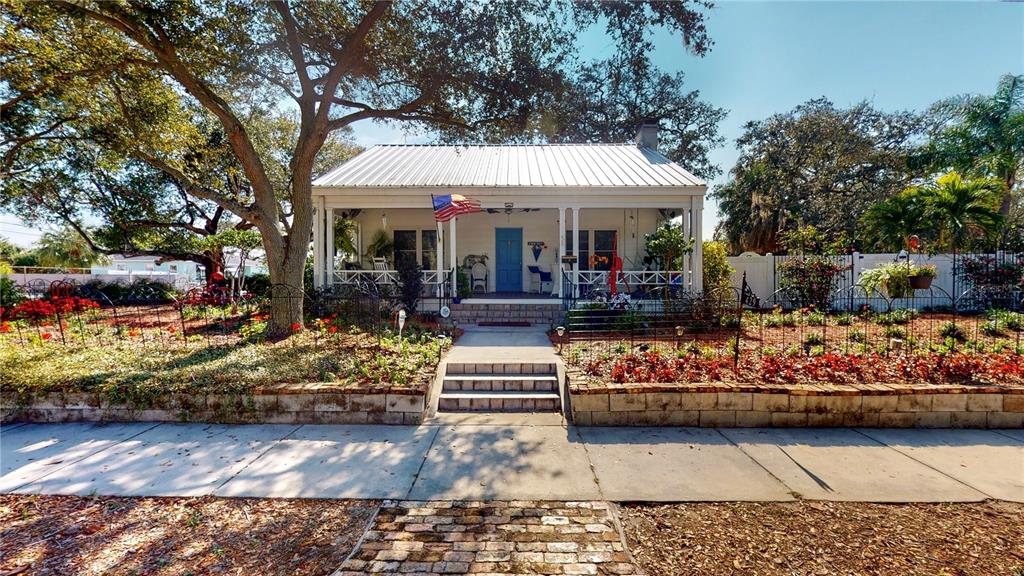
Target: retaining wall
(294, 405)
(737, 406)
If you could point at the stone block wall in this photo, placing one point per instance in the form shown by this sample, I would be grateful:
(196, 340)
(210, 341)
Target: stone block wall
(292, 406)
(727, 407)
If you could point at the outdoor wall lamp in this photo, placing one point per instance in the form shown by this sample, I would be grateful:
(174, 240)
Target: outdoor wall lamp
(561, 332)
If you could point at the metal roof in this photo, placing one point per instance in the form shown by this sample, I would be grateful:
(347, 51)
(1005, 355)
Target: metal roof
(540, 165)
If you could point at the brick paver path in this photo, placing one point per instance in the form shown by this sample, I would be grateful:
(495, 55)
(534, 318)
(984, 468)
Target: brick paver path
(413, 538)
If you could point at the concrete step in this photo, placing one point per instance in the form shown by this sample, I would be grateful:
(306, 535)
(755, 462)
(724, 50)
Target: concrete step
(499, 382)
(501, 368)
(502, 401)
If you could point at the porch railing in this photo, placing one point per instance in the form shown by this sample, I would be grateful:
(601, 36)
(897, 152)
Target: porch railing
(431, 278)
(592, 285)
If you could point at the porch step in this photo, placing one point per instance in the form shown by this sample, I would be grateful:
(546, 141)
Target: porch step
(501, 401)
(540, 314)
(502, 382)
(500, 387)
(501, 368)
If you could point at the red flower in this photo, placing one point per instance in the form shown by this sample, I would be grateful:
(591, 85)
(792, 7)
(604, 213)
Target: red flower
(5, 327)
(33, 310)
(332, 329)
(133, 332)
(47, 335)
(296, 326)
(172, 329)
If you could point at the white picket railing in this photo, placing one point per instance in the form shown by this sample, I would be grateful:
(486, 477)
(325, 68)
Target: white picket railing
(627, 277)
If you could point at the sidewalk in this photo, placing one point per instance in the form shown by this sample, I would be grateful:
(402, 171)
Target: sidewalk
(526, 458)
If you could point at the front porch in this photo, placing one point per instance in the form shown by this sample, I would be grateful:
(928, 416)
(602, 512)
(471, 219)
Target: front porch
(502, 254)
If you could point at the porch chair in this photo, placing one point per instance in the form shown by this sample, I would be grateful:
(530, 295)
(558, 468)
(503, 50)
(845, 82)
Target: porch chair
(541, 281)
(478, 277)
(380, 267)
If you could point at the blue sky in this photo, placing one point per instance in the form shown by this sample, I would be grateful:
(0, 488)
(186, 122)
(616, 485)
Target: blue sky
(770, 56)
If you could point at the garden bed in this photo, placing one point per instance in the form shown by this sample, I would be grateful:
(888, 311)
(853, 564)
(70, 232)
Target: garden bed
(316, 376)
(177, 536)
(826, 538)
(800, 391)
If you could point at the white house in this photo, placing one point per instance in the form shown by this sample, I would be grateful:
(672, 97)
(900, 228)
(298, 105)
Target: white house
(540, 203)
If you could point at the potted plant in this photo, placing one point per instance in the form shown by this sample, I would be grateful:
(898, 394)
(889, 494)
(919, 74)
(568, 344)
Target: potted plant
(921, 277)
(464, 289)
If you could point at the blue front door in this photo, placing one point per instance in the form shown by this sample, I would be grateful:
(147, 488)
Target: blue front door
(508, 244)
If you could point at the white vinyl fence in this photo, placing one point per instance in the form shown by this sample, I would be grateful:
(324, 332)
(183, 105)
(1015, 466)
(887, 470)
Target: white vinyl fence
(763, 275)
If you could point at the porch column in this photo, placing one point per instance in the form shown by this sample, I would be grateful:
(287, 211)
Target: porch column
(576, 248)
(330, 247)
(561, 246)
(687, 233)
(454, 258)
(440, 258)
(698, 247)
(318, 242)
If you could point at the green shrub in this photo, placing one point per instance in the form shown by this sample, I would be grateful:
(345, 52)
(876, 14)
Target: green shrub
(844, 319)
(410, 281)
(894, 332)
(857, 336)
(1010, 320)
(992, 327)
(814, 339)
(950, 330)
(815, 319)
(716, 268)
(10, 293)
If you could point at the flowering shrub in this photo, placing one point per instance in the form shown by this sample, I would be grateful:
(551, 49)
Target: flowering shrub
(809, 280)
(835, 368)
(68, 304)
(33, 310)
(984, 272)
(657, 367)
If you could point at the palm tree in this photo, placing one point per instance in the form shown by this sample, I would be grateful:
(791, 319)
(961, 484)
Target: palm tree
(890, 223)
(962, 208)
(987, 137)
(65, 248)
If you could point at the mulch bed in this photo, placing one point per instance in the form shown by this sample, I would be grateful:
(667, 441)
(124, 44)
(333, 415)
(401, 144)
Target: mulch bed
(176, 536)
(825, 538)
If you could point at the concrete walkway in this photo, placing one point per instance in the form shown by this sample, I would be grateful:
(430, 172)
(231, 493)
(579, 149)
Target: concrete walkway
(515, 457)
(492, 344)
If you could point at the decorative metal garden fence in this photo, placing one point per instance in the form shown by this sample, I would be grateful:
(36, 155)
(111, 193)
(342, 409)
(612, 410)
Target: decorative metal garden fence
(855, 321)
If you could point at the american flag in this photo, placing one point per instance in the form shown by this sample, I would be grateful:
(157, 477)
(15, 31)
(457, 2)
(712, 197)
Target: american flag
(451, 205)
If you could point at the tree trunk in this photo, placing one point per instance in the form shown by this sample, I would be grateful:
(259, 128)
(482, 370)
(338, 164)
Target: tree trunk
(286, 310)
(286, 260)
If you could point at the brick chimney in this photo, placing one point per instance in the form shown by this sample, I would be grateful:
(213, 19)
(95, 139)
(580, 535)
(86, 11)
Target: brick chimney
(647, 135)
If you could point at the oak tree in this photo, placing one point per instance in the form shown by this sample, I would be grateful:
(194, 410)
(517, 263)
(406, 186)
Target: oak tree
(455, 66)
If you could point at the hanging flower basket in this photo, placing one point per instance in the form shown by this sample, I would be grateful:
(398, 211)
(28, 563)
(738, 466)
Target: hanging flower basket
(920, 278)
(920, 282)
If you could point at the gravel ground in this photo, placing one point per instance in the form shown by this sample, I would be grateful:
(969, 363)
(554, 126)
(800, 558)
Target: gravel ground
(83, 536)
(818, 538)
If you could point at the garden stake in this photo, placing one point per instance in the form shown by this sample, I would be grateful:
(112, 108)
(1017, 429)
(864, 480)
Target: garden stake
(60, 326)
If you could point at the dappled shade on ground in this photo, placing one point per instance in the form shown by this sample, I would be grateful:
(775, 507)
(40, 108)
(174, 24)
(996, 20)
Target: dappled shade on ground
(177, 536)
(827, 538)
